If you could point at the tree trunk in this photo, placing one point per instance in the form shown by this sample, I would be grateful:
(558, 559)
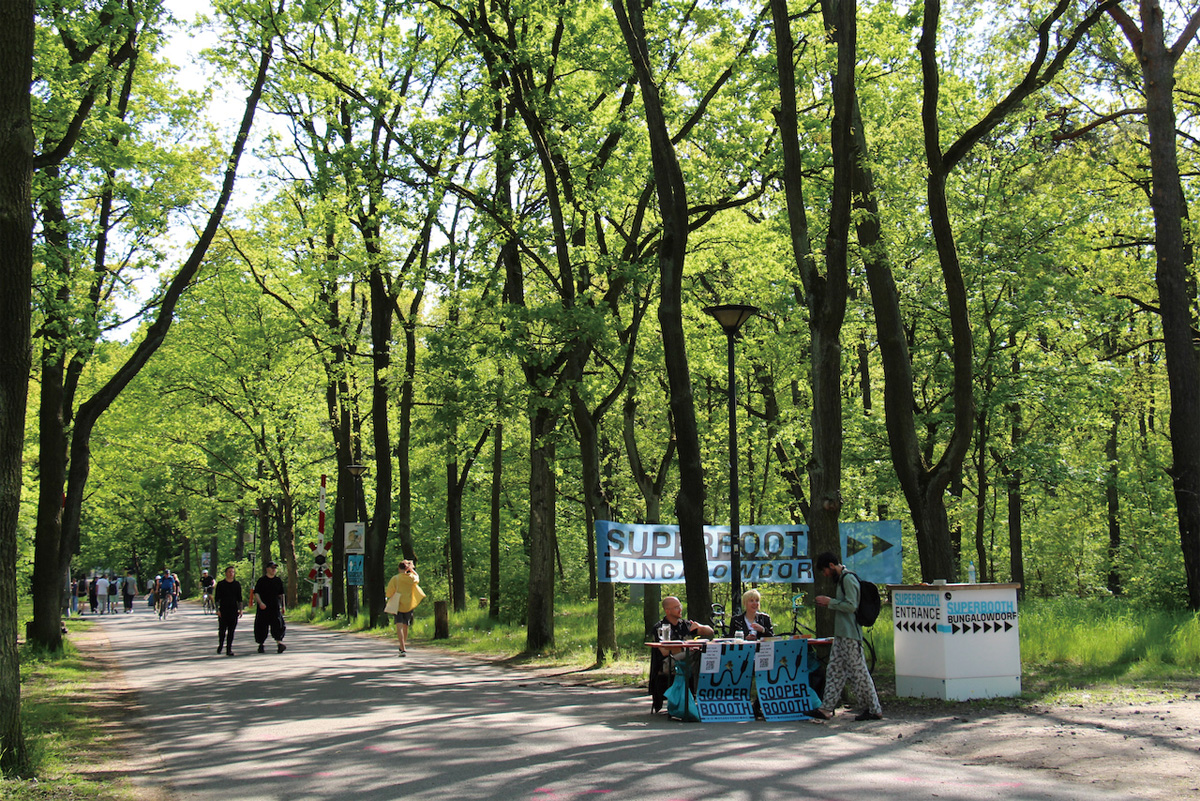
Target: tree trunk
(404, 442)
(596, 507)
(494, 534)
(672, 201)
(1112, 499)
(1176, 283)
(265, 508)
(454, 507)
(16, 275)
(374, 572)
(539, 632)
(651, 490)
(90, 411)
(982, 487)
(825, 295)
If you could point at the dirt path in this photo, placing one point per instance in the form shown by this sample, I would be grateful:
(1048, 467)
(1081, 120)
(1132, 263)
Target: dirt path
(1144, 744)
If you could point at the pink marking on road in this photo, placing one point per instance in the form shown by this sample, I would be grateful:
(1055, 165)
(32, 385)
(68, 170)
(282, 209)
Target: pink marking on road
(284, 774)
(378, 749)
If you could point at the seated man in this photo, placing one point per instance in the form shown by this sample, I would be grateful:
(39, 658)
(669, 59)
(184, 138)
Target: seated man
(677, 628)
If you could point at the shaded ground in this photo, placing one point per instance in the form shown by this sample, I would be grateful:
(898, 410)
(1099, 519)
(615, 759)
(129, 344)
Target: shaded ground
(1140, 744)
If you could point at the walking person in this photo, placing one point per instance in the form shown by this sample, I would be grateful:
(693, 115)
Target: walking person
(112, 595)
(403, 594)
(227, 595)
(81, 591)
(847, 665)
(93, 594)
(270, 605)
(129, 590)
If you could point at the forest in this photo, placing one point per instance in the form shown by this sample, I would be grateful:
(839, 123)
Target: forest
(466, 247)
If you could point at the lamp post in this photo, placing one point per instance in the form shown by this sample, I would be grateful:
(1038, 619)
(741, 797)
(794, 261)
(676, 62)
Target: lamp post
(730, 317)
(358, 471)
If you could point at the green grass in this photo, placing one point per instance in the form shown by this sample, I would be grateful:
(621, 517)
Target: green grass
(61, 720)
(1105, 645)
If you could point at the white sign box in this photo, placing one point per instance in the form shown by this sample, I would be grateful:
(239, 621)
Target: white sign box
(956, 641)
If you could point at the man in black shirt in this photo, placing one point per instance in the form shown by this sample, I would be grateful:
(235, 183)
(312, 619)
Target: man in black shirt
(228, 598)
(270, 605)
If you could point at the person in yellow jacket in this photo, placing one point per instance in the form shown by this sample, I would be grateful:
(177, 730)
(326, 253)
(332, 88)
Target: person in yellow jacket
(403, 594)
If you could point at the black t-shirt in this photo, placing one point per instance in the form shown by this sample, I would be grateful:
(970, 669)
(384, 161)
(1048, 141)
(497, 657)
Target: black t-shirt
(207, 581)
(228, 597)
(268, 590)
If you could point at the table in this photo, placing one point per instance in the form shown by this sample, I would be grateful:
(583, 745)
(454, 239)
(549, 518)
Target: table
(727, 687)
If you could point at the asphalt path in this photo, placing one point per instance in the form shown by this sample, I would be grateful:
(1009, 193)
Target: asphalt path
(340, 716)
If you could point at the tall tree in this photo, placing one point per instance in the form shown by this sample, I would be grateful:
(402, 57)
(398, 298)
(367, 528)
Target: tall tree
(16, 275)
(924, 480)
(1175, 277)
(92, 409)
(824, 294)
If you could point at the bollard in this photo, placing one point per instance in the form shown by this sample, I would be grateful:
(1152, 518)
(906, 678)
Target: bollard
(441, 620)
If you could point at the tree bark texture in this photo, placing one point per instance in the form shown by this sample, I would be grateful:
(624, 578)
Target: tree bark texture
(1176, 284)
(672, 201)
(374, 570)
(494, 533)
(16, 275)
(539, 632)
(825, 295)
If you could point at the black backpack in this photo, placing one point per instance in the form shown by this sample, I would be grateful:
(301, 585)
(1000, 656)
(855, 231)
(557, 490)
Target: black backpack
(869, 601)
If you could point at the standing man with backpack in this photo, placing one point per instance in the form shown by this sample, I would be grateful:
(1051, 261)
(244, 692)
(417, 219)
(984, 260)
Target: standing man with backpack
(846, 661)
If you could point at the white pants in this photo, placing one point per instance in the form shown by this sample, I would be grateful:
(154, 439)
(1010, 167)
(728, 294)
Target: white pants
(847, 665)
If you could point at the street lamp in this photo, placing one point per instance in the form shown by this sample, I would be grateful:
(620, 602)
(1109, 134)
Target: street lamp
(358, 471)
(730, 317)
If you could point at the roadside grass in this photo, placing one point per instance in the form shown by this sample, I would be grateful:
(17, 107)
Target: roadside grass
(62, 722)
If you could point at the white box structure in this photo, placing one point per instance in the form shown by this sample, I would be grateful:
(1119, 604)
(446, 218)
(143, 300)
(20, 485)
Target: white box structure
(956, 641)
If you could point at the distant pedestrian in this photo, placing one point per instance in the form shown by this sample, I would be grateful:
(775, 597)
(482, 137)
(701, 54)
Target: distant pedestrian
(227, 595)
(81, 591)
(112, 595)
(270, 604)
(404, 593)
(93, 601)
(129, 590)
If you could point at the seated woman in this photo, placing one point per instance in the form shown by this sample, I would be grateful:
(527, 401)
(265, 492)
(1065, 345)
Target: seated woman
(752, 623)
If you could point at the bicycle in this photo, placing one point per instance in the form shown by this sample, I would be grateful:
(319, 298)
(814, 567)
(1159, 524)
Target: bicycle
(718, 620)
(209, 606)
(163, 607)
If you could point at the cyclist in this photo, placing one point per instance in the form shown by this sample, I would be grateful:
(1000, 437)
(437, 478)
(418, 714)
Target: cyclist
(206, 590)
(164, 586)
(178, 588)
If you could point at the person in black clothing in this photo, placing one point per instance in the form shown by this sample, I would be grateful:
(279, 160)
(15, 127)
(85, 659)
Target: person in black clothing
(673, 627)
(752, 623)
(270, 605)
(228, 599)
(206, 583)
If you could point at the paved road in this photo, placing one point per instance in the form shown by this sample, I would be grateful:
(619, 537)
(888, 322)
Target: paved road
(342, 717)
